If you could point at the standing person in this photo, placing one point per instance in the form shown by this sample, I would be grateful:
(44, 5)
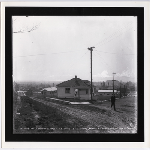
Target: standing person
(113, 102)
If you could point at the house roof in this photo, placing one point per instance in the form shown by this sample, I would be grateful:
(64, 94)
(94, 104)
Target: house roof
(75, 82)
(100, 91)
(87, 82)
(50, 89)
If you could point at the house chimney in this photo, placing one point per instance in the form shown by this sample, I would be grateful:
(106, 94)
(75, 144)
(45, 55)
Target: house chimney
(75, 77)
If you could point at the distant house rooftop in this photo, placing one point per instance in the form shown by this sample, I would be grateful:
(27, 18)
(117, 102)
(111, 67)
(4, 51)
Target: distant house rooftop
(50, 89)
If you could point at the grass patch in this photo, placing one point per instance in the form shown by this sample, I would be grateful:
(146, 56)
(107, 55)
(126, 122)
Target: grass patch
(49, 117)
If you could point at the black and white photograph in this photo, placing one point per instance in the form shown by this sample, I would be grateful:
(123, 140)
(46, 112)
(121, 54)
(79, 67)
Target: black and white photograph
(74, 74)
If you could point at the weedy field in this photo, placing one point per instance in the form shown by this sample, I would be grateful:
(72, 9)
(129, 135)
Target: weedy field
(47, 116)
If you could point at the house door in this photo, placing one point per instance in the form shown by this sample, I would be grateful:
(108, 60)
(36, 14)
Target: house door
(76, 93)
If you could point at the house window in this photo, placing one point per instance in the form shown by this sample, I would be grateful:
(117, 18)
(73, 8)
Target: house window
(86, 91)
(107, 94)
(67, 90)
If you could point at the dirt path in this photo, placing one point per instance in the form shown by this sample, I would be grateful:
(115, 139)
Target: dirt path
(101, 118)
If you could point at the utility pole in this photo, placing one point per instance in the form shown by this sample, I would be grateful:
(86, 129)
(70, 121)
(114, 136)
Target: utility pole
(113, 82)
(120, 90)
(91, 49)
(124, 90)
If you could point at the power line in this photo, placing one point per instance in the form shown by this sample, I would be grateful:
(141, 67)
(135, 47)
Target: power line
(44, 54)
(79, 58)
(112, 36)
(113, 53)
(104, 61)
(72, 64)
(105, 52)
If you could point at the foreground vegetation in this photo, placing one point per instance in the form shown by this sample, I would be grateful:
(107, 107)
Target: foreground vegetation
(35, 117)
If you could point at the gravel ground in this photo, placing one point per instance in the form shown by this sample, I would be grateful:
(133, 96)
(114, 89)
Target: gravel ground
(100, 117)
(44, 116)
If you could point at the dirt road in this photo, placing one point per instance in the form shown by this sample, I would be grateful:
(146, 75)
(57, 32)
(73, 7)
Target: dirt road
(100, 117)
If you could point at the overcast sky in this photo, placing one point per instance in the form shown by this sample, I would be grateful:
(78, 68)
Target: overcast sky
(54, 48)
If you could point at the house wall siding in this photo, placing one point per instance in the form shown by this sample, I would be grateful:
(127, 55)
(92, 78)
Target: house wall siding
(86, 97)
(52, 93)
(48, 93)
(62, 94)
(82, 93)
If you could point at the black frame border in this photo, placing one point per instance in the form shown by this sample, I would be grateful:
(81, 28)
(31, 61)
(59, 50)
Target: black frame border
(72, 11)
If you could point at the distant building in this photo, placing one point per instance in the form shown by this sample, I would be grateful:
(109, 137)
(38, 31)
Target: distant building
(75, 88)
(51, 91)
(109, 83)
(21, 93)
(106, 94)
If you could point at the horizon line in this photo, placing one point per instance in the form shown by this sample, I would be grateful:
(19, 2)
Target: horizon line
(66, 80)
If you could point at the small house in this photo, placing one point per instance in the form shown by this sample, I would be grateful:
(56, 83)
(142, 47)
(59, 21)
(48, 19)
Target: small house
(51, 91)
(21, 93)
(75, 88)
(106, 94)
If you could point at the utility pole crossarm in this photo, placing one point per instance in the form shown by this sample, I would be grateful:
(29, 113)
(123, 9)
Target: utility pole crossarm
(91, 48)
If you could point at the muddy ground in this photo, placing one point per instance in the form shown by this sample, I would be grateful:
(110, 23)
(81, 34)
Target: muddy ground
(35, 115)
